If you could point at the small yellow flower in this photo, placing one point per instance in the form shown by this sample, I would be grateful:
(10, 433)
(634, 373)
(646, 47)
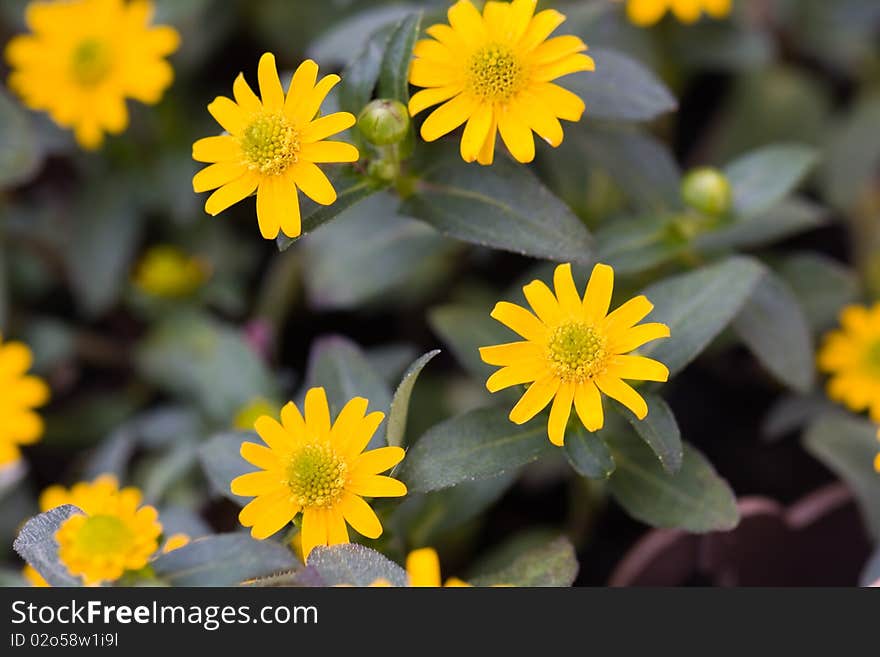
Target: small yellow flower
(85, 57)
(573, 350)
(33, 577)
(319, 468)
(649, 12)
(423, 569)
(248, 414)
(851, 356)
(174, 542)
(19, 395)
(495, 71)
(273, 146)
(167, 272)
(114, 534)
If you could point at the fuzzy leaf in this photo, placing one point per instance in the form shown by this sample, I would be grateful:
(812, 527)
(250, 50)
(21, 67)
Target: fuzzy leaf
(222, 462)
(588, 454)
(659, 430)
(36, 544)
(763, 178)
(394, 76)
(551, 564)
(354, 565)
(396, 430)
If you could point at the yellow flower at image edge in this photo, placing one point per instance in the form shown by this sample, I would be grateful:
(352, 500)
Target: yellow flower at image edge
(649, 12)
(85, 57)
(33, 577)
(423, 569)
(112, 535)
(573, 350)
(495, 72)
(273, 147)
(19, 395)
(167, 272)
(851, 357)
(319, 468)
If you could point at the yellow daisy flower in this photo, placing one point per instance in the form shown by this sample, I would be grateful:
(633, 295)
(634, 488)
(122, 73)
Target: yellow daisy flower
(423, 569)
(317, 467)
(573, 350)
(85, 57)
(273, 146)
(114, 534)
(649, 12)
(851, 356)
(495, 71)
(19, 395)
(33, 577)
(166, 271)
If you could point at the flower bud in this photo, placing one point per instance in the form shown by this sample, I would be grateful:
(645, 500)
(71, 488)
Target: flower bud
(708, 191)
(384, 122)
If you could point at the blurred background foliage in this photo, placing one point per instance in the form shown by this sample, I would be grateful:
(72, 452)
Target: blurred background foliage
(140, 383)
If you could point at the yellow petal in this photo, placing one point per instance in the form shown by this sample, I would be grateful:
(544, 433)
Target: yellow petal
(361, 432)
(301, 84)
(541, 26)
(273, 434)
(277, 206)
(317, 415)
(306, 110)
(314, 184)
(556, 48)
(630, 313)
(541, 119)
(534, 400)
(28, 391)
(517, 134)
(271, 91)
(337, 532)
(260, 456)
(638, 367)
(245, 96)
(520, 320)
(517, 374)
(645, 12)
(425, 98)
(635, 337)
(624, 393)
(254, 510)
(566, 291)
(327, 126)
(565, 66)
(15, 359)
(511, 353)
(227, 114)
(597, 298)
(448, 117)
(543, 302)
(376, 486)
(348, 421)
(467, 21)
(588, 404)
(476, 131)
(217, 175)
(565, 104)
(378, 460)
(487, 153)
(24, 428)
(329, 152)
(256, 483)
(231, 193)
(360, 516)
(314, 529)
(560, 412)
(426, 73)
(216, 149)
(423, 567)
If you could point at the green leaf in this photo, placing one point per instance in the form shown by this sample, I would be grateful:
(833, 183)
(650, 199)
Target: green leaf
(351, 188)
(871, 572)
(822, 287)
(464, 330)
(222, 462)
(21, 154)
(763, 178)
(853, 154)
(551, 564)
(773, 327)
(223, 560)
(503, 207)
(635, 244)
(848, 446)
(479, 444)
(659, 430)
(695, 498)
(36, 544)
(697, 306)
(396, 430)
(620, 89)
(354, 565)
(587, 453)
(371, 255)
(340, 367)
(198, 358)
(394, 77)
(345, 40)
(360, 77)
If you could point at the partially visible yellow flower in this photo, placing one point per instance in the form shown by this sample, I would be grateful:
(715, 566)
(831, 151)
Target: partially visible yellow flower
(495, 72)
(320, 468)
(573, 350)
(85, 57)
(273, 146)
(851, 357)
(33, 577)
(112, 535)
(423, 569)
(19, 395)
(174, 542)
(649, 12)
(877, 458)
(248, 414)
(166, 271)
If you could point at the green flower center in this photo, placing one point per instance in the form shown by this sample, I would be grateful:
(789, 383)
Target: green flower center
(316, 475)
(270, 144)
(104, 535)
(576, 352)
(495, 73)
(91, 62)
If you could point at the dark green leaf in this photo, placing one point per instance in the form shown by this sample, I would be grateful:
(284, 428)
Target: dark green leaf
(464, 330)
(659, 430)
(223, 560)
(587, 453)
(635, 244)
(552, 564)
(347, 38)
(20, 151)
(772, 325)
(695, 498)
(479, 444)
(503, 206)
(763, 178)
(354, 565)
(394, 77)
(848, 445)
(36, 544)
(822, 287)
(396, 431)
(222, 462)
(697, 306)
